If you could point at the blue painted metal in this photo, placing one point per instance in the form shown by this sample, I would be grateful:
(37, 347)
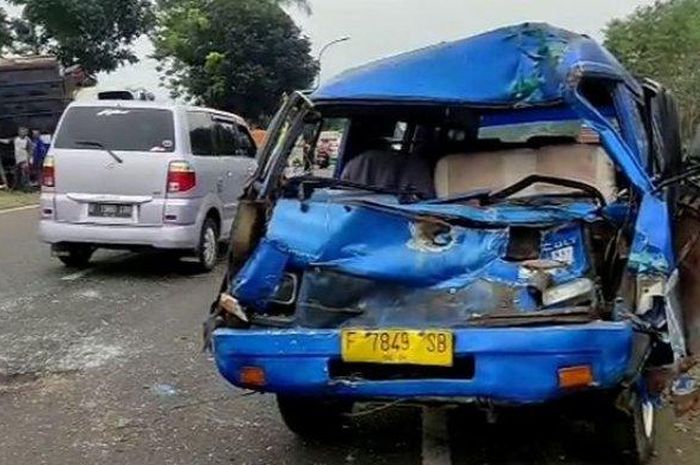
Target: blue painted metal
(535, 114)
(260, 276)
(652, 248)
(516, 74)
(613, 142)
(332, 233)
(512, 365)
(503, 214)
(528, 64)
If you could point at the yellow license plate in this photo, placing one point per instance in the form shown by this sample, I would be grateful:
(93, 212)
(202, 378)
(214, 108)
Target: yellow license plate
(398, 346)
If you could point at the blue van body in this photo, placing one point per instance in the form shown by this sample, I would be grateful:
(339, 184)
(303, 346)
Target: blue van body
(339, 240)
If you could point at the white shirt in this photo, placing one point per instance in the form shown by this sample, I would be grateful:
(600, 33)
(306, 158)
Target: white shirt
(21, 150)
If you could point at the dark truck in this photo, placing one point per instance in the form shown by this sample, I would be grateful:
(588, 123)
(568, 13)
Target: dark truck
(34, 91)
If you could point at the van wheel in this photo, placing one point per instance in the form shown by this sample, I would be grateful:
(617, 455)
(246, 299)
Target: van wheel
(76, 256)
(312, 417)
(208, 248)
(630, 428)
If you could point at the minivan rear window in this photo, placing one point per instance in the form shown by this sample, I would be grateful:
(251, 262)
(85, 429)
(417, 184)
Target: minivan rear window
(117, 128)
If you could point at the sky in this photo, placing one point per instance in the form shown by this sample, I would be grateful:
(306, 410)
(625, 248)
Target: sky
(378, 28)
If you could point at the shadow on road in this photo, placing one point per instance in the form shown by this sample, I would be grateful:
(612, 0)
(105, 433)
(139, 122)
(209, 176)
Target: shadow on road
(145, 265)
(519, 437)
(531, 436)
(392, 436)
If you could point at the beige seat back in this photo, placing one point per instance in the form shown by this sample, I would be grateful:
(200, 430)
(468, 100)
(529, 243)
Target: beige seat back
(460, 173)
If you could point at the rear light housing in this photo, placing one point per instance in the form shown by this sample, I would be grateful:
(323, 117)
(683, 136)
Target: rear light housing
(181, 177)
(252, 376)
(48, 173)
(576, 377)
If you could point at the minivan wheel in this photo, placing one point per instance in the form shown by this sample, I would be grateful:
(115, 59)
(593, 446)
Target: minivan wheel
(208, 249)
(76, 256)
(631, 431)
(310, 417)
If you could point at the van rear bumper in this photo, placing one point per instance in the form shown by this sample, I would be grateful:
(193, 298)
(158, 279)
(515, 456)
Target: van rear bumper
(160, 237)
(510, 365)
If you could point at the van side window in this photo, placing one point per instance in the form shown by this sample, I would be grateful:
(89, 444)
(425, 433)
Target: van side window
(246, 142)
(226, 138)
(201, 128)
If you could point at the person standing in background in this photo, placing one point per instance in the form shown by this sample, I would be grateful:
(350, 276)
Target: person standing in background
(41, 143)
(23, 148)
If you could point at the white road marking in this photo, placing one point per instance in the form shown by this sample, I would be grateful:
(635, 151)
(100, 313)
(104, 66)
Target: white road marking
(436, 440)
(19, 209)
(75, 276)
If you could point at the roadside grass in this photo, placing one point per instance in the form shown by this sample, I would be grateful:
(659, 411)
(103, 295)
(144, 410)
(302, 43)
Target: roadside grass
(12, 199)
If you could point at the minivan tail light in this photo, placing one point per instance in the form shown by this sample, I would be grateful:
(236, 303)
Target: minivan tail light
(48, 173)
(181, 177)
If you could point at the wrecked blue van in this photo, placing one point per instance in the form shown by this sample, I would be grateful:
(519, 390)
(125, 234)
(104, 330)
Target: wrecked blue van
(498, 226)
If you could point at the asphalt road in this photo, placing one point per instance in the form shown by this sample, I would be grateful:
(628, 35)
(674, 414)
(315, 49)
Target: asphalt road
(104, 366)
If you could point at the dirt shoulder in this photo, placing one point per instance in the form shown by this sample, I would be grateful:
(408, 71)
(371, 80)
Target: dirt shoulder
(14, 199)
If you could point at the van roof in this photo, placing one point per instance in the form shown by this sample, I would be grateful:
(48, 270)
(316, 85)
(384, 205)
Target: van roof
(531, 64)
(155, 105)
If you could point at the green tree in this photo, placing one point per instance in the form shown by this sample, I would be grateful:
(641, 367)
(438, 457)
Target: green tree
(662, 41)
(98, 34)
(235, 55)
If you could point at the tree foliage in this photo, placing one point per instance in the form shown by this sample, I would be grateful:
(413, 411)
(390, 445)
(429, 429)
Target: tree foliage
(236, 55)
(98, 34)
(5, 36)
(662, 41)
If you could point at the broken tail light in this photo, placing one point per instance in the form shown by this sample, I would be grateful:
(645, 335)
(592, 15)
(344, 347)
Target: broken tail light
(523, 244)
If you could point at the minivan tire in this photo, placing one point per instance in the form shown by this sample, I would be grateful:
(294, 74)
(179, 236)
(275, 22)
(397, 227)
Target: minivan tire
(77, 256)
(314, 418)
(208, 247)
(631, 431)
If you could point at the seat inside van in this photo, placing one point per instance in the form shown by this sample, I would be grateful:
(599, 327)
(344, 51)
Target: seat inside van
(460, 173)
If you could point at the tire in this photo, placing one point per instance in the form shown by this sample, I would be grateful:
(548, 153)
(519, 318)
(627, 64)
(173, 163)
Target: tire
(208, 247)
(630, 428)
(76, 256)
(314, 418)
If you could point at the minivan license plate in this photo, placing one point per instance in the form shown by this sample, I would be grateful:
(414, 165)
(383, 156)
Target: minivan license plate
(110, 210)
(398, 346)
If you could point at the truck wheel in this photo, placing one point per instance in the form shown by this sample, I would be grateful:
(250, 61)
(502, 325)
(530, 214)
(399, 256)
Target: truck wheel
(312, 417)
(208, 247)
(76, 256)
(631, 431)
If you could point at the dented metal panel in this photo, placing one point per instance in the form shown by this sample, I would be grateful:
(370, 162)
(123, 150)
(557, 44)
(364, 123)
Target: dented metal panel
(332, 235)
(514, 280)
(527, 64)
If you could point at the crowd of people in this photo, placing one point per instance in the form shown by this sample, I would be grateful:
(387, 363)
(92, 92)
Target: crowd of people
(30, 149)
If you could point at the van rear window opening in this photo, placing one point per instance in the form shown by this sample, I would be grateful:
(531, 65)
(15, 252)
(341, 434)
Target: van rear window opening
(117, 128)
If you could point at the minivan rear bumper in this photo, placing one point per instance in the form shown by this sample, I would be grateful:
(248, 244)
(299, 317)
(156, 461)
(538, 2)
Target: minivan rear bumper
(512, 365)
(160, 237)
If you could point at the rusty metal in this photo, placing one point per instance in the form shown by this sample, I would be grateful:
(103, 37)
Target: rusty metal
(679, 381)
(230, 305)
(689, 273)
(248, 228)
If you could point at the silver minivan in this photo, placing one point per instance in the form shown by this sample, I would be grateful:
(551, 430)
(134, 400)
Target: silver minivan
(141, 175)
